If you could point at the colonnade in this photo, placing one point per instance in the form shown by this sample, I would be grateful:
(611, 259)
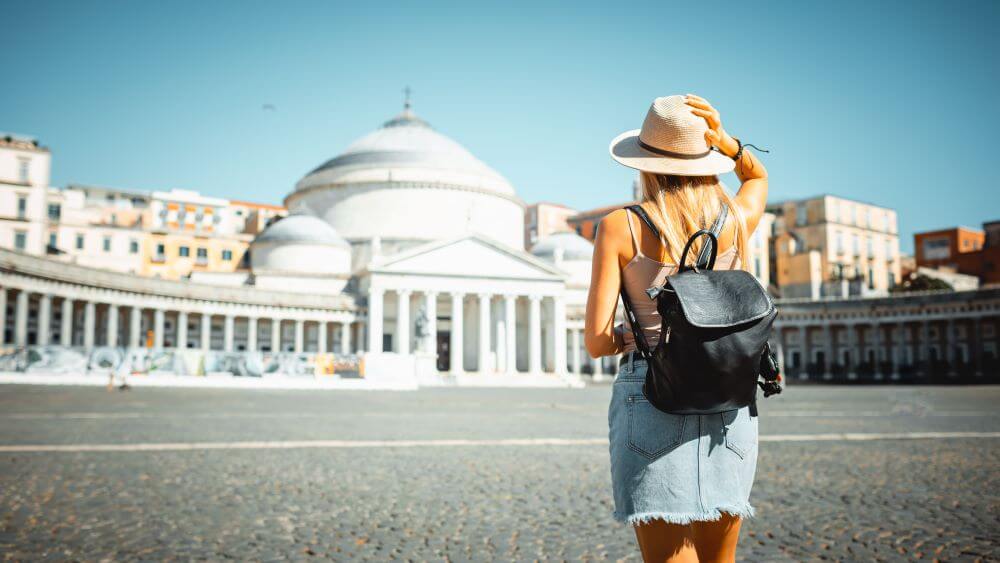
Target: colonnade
(888, 347)
(495, 329)
(89, 323)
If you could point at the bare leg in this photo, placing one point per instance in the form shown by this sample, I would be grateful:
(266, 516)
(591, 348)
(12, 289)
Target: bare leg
(661, 542)
(716, 541)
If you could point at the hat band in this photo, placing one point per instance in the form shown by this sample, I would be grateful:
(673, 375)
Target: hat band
(672, 154)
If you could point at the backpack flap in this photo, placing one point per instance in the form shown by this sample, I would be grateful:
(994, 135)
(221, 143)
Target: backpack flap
(720, 298)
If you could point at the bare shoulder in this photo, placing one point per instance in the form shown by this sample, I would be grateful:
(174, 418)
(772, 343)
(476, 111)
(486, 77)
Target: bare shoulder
(613, 230)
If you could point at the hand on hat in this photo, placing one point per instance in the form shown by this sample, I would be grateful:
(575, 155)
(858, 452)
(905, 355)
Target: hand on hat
(716, 135)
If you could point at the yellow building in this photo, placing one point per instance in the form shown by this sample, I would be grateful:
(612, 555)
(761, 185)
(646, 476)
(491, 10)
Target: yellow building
(172, 255)
(832, 246)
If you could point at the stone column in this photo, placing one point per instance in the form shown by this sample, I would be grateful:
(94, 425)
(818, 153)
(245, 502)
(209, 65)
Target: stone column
(510, 318)
(853, 350)
(924, 347)
(430, 309)
(89, 324)
(21, 318)
(44, 319)
(275, 336)
(559, 312)
(403, 321)
(877, 344)
(456, 345)
(828, 356)
(804, 352)
(181, 330)
(252, 334)
(112, 336)
(228, 328)
(598, 365)
(535, 334)
(976, 346)
(375, 319)
(134, 326)
(206, 332)
(898, 355)
(158, 317)
(3, 315)
(950, 343)
(300, 329)
(484, 333)
(575, 349)
(321, 337)
(345, 337)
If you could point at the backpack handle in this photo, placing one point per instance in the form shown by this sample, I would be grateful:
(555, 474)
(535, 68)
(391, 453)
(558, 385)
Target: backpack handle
(713, 240)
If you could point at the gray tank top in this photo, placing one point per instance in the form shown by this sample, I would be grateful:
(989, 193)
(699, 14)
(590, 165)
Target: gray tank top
(643, 272)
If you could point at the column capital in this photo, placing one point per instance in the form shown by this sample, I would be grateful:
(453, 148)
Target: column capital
(457, 295)
(484, 296)
(406, 292)
(510, 296)
(534, 297)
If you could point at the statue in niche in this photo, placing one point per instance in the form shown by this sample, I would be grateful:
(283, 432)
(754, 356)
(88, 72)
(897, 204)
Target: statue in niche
(421, 323)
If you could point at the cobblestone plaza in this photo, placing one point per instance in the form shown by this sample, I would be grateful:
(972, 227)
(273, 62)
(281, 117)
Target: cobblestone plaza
(845, 473)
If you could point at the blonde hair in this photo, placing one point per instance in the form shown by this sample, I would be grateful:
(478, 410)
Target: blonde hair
(681, 205)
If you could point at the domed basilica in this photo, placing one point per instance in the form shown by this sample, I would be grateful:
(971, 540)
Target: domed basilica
(429, 240)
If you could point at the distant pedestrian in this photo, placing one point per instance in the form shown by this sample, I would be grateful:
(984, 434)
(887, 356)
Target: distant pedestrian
(682, 480)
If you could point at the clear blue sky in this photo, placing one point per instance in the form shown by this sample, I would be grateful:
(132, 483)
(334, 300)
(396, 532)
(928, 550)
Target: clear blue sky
(892, 103)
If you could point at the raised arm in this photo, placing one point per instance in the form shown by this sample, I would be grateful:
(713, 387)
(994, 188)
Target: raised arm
(752, 195)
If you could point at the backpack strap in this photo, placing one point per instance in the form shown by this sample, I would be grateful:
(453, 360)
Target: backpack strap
(638, 210)
(705, 255)
(640, 341)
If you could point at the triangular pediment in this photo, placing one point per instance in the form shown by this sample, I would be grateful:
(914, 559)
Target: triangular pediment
(468, 256)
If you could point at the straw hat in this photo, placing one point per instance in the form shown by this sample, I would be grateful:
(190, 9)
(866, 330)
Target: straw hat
(671, 141)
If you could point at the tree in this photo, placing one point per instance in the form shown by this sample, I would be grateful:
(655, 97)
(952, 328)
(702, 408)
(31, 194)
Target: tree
(922, 282)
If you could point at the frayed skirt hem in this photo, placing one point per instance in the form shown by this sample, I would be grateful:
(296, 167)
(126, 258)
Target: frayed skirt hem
(743, 511)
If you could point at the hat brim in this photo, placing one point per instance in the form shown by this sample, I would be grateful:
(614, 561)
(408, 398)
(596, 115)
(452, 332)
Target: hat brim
(626, 150)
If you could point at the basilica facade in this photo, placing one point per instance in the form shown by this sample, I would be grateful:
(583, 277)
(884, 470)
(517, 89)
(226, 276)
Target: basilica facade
(404, 250)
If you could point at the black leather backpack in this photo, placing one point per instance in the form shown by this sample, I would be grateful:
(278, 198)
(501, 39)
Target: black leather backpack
(713, 337)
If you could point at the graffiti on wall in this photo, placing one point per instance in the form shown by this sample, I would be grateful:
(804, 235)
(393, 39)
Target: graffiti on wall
(148, 361)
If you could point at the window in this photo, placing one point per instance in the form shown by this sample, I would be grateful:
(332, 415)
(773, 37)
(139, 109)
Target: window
(868, 218)
(800, 214)
(857, 244)
(854, 214)
(133, 246)
(20, 240)
(227, 255)
(23, 167)
(22, 207)
(114, 219)
(756, 266)
(52, 240)
(55, 211)
(202, 255)
(871, 246)
(106, 244)
(832, 212)
(838, 238)
(871, 278)
(184, 251)
(888, 250)
(79, 241)
(936, 249)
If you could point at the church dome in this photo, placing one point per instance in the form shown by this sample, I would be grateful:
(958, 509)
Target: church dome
(300, 244)
(407, 183)
(299, 227)
(407, 149)
(568, 244)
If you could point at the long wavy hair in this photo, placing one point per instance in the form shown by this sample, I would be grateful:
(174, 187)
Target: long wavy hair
(681, 205)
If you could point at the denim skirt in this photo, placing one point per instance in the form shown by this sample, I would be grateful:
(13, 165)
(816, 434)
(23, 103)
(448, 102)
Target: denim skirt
(673, 467)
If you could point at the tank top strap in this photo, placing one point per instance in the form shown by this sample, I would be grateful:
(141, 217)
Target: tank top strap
(631, 230)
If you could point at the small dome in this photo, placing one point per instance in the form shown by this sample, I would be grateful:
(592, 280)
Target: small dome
(573, 246)
(302, 228)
